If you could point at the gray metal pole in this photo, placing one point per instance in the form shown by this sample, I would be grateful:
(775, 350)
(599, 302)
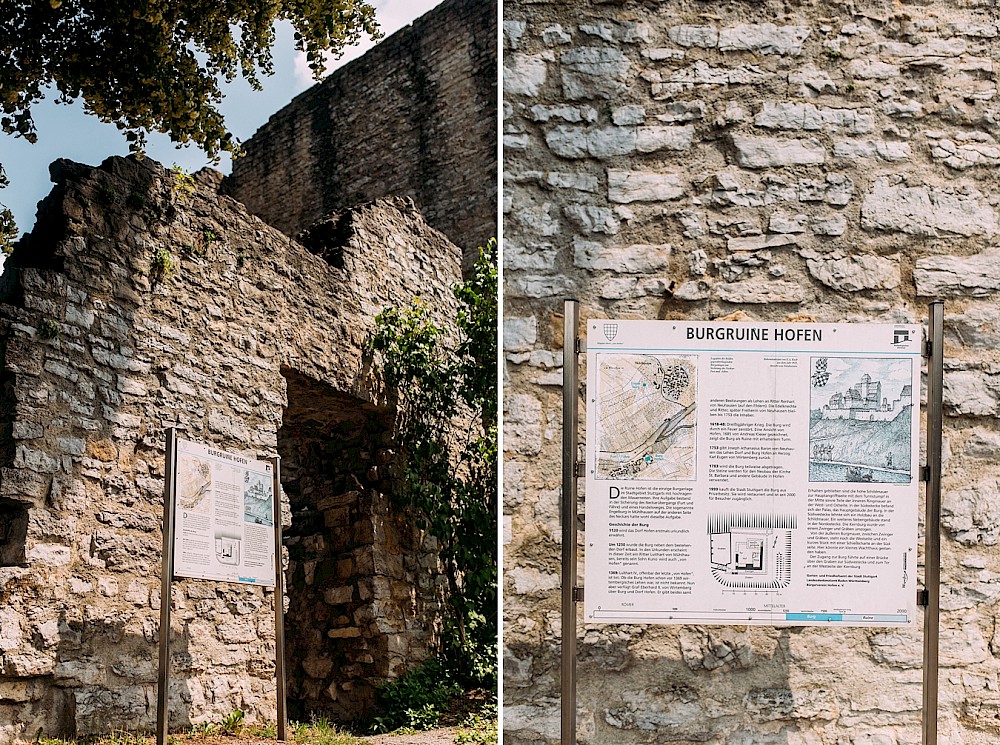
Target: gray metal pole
(570, 407)
(166, 578)
(279, 606)
(932, 521)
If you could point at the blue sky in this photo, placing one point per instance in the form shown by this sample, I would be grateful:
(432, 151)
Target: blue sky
(67, 132)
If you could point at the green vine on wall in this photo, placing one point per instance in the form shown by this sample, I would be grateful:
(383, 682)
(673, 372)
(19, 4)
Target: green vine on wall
(446, 427)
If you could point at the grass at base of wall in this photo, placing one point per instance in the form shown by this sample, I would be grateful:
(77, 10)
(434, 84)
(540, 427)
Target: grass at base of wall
(476, 721)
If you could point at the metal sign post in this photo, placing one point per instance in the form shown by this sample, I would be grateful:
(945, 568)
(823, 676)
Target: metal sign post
(932, 521)
(174, 452)
(279, 605)
(570, 388)
(166, 578)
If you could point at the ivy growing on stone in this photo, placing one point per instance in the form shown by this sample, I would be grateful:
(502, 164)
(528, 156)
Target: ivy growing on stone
(446, 427)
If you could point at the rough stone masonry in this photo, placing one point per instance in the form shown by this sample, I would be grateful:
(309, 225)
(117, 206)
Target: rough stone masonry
(137, 304)
(831, 161)
(415, 116)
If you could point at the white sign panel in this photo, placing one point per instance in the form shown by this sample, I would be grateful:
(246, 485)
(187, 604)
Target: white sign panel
(224, 516)
(749, 473)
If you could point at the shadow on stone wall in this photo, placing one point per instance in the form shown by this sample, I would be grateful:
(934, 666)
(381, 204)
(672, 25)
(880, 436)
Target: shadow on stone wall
(354, 584)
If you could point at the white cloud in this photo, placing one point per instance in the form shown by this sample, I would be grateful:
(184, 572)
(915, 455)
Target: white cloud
(392, 15)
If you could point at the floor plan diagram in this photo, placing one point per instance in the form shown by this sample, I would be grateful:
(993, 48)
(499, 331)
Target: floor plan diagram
(752, 552)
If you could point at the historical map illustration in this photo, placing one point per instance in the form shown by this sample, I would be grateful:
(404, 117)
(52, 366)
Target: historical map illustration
(751, 552)
(860, 419)
(258, 502)
(194, 483)
(646, 414)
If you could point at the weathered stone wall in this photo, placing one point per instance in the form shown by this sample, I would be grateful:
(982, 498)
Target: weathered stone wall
(415, 116)
(253, 344)
(832, 161)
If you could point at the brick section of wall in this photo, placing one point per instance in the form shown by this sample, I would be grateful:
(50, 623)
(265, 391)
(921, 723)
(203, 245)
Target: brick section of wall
(768, 161)
(99, 359)
(415, 116)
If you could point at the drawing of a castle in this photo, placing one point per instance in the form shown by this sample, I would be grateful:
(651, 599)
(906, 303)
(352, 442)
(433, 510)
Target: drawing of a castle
(863, 401)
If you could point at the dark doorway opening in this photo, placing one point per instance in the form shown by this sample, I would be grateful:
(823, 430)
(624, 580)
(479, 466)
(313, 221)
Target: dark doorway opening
(361, 589)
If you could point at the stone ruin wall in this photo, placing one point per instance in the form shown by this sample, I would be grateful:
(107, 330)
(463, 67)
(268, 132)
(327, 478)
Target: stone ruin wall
(415, 116)
(254, 344)
(771, 161)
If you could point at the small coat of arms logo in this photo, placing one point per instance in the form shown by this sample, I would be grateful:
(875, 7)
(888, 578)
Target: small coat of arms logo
(610, 331)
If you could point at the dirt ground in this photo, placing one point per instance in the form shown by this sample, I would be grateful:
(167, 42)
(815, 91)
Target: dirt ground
(429, 737)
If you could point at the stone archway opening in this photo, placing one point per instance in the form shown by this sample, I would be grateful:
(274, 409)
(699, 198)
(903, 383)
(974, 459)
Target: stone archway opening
(360, 587)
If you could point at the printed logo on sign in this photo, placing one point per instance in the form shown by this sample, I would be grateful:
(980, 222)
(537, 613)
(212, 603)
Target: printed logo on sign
(610, 331)
(900, 337)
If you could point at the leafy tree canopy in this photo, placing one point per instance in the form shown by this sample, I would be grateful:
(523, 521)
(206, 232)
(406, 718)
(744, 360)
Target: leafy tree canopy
(155, 65)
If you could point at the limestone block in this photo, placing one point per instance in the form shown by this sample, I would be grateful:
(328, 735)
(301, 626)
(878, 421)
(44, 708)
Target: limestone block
(966, 276)
(763, 38)
(926, 210)
(673, 714)
(810, 81)
(768, 152)
(29, 664)
(49, 554)
(792, 116)
(884, 149)
(519, 333)
(601, 30)
(759, 290)
(856, 272)
(512, 33)
(86, 672)
(872, 69)
(593, 72)
(538, 722)
(904, 109)
(760, 242)
(705, 37)
(541, 218)
(969, 392)
(592, 219)
(628, 115)
(529, 255)
(962, 646)
(525, 74)
(971, 514)
(977, 328)
(765, 704)
(634, 259)
(693, 290)
(898, 648)
(555, 34)
(517, 671)
(579, 181)
(10, 629)
(682, 111)
(531, 581)
(965, 155)
(701, 74)
(522, 424)
(782, 222)
(542, 113)
(538, 286)
(625, 187)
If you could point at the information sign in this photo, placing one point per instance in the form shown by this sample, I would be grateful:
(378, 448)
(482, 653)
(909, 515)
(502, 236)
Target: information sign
(225, 513)
(752, 473)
